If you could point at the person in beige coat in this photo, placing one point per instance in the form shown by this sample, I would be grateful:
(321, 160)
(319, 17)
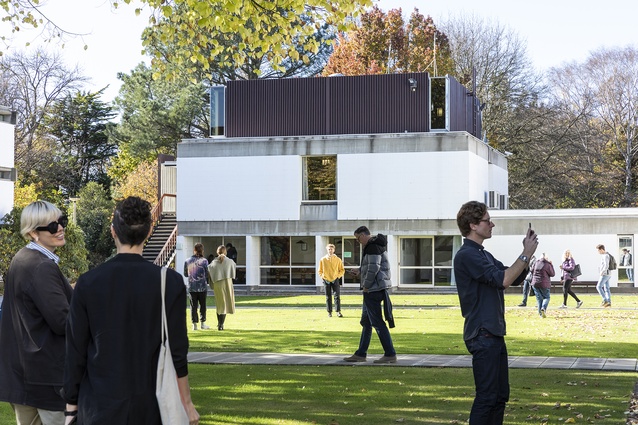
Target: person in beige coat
(222, 273)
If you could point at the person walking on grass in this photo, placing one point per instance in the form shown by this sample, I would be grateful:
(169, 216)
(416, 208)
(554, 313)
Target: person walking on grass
(374, 275)
(542, 272)
(605, 275)
(331, 271)
(568, 266)
(480, 282)
(222, 273)
(527, 285)
(196, 270)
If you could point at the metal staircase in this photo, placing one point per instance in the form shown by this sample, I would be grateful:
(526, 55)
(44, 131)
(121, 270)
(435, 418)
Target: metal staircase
(160, 247)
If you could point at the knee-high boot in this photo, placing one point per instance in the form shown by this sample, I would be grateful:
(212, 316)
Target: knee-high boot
(222, 319)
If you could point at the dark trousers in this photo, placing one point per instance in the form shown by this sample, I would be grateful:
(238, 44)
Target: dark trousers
(198, 298)
(491, 378)
(372, 317)
(330, 288)
(567, 290)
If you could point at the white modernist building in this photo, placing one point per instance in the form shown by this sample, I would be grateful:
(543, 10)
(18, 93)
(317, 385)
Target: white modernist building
(7, 165)
(280, 199)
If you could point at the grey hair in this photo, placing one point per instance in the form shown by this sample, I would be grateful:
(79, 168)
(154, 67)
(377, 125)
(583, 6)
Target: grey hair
(36, 214)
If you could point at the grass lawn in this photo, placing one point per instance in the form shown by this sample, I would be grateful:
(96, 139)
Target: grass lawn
(351, 395)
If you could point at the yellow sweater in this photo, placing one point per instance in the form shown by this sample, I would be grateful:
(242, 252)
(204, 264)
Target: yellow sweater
(331, 268)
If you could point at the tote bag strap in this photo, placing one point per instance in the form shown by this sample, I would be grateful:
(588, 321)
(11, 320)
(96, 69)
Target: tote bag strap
(164, 322)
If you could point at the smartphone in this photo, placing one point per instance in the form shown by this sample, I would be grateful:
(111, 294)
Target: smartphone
(529, 229)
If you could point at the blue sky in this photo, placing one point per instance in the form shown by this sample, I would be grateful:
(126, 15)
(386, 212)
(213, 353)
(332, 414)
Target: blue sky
(555, 30)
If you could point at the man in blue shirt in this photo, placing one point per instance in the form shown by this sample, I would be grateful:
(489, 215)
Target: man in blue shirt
(480, 281)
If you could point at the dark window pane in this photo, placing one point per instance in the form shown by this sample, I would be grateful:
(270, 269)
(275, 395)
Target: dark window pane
(351, 253)
(275, 276)
(305, 276)
(443, 277)
(303, 251)
(416, 252)
(275, 251)
(416, 276)
(443, 246)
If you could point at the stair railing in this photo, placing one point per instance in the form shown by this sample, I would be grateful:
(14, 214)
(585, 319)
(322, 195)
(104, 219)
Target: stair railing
(168, 248)
(158, 209)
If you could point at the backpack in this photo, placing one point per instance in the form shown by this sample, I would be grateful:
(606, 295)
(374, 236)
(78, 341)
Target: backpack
(612, 262)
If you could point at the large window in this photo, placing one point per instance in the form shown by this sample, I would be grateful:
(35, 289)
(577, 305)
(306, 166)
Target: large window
(349, 250)
(625, 259)
(426, 261)
(287, 260)
(320, 178)
(210, 251)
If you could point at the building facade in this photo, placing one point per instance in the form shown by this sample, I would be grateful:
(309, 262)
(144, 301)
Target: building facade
(280, 194)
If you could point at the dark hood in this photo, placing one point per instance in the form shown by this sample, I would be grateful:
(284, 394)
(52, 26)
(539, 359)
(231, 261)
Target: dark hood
(376, 245)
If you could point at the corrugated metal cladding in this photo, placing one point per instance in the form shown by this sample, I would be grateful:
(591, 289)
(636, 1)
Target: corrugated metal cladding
(366, 104)
(464, 113)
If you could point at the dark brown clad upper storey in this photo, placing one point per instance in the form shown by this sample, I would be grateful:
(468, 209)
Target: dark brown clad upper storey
(366, 104)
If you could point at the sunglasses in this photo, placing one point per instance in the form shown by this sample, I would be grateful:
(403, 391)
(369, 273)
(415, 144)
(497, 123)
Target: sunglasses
(53, 226)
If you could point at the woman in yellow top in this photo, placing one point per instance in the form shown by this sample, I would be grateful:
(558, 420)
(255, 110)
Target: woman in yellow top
(222, 273)
(331, 270)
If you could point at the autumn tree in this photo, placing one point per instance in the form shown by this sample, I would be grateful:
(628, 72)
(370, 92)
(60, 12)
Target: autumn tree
(142, 182)
(384, 43)
(221, 67)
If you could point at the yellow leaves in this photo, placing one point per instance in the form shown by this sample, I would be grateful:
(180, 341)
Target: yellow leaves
(167, 11)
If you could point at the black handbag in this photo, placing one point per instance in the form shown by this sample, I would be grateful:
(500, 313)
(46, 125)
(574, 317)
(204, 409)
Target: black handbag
(576, 272)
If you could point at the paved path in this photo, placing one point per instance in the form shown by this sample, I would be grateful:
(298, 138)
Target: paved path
(416, 360)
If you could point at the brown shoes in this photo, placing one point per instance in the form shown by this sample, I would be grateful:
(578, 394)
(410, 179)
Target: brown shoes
(386, 359)
(355, 359)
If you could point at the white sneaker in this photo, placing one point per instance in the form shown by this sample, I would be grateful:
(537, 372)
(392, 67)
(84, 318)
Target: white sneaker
(578, 304)
(543, 315)
(204, 326)
(194, 326)
(563, 306)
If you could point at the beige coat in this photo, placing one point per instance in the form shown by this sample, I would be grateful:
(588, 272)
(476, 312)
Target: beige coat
(222, 274)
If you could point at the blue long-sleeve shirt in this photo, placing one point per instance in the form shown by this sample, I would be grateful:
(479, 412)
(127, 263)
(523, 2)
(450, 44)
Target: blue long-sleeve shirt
(479, 281)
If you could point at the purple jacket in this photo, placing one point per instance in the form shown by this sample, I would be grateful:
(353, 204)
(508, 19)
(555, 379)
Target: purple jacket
(568, 266)
(542, 272)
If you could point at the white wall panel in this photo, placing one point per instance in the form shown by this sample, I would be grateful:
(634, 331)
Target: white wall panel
(407, 185)
(239, 188)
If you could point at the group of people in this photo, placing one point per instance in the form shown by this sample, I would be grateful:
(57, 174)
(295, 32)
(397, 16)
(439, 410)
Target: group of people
(542, 270)
(88, 355)
(217, 272)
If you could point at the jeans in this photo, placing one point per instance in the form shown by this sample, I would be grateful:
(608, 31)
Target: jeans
(542, 298)
(630, 273)
(491, 378)
(525, 291)
(603, 288)
(330, 287)
(198, 298)
(372, 317)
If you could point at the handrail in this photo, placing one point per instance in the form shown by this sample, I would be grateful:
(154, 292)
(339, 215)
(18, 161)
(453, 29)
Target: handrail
(167, 249)
(156, 212)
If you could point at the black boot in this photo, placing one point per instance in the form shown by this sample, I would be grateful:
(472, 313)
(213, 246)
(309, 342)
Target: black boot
(219, 322)
(222, 319)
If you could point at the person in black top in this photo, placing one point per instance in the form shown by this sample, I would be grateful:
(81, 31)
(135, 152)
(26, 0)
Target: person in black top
(480, 281)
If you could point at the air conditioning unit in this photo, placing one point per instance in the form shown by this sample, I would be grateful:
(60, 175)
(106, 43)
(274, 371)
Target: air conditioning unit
(504, 202)
(493, 199)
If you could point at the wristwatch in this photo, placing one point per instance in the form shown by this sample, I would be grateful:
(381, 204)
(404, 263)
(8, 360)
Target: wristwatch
(524, 258)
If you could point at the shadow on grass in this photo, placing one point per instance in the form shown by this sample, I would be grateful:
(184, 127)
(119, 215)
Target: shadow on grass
(355, 395)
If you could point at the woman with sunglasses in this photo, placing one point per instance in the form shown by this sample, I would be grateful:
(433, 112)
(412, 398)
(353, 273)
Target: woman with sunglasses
(32, 329)
(114, 327)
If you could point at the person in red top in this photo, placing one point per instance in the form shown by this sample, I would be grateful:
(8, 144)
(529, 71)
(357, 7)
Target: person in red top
(331, 271)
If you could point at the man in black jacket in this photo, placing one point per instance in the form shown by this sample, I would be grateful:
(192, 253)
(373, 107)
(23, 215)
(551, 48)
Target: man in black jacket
(374, 275)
